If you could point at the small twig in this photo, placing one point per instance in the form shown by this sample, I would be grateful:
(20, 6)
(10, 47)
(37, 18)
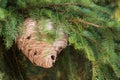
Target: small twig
(59, 5)
(93, 70)
(66, 4)
(85, 22)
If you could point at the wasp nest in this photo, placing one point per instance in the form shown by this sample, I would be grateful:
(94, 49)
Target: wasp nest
(36, 45)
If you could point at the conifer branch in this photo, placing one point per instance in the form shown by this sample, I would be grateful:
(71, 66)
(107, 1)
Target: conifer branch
(56, 5)
(66, 4)
(84, 22)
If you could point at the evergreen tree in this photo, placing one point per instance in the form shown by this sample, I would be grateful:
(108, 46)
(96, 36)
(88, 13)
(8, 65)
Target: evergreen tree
(92, 26)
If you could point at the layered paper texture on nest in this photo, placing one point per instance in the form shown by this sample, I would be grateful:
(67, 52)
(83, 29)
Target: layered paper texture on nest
(39, 43)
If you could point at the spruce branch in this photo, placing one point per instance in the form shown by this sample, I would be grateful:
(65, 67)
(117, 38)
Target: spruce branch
(84, 22)
(49, 5)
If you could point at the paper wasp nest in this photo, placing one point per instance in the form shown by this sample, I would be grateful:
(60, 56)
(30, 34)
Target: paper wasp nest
(34, 42)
